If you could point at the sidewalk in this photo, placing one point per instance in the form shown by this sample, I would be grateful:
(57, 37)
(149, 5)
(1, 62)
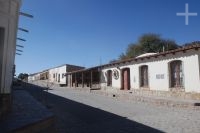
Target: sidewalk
(28, 115)
(156, 100)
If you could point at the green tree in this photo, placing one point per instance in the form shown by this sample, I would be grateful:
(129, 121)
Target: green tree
(122, 56)
(169, 45)
(23, 76)
(133, 50)
(148, 43)
(192, 43)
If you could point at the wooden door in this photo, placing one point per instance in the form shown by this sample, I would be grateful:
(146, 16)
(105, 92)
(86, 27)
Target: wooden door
(126, 79)
(109, 78)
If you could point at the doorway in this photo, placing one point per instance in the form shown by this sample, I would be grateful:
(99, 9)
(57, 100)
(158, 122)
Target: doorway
(144, 81)
(176, 74)
(125, 79)
(109, 78)
(58, 77)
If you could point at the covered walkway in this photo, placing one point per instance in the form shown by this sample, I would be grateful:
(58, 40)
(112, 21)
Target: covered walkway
(87, 78)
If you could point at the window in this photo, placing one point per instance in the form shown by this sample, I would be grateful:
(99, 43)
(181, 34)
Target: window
(58, 77)
(63, 75)
(176, 74)
(144, 81)
(54, 75)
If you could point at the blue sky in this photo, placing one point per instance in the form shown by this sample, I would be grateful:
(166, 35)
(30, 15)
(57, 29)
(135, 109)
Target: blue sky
(87, 32)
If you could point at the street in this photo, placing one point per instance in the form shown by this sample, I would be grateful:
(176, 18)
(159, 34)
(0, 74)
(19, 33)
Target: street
(80, 111)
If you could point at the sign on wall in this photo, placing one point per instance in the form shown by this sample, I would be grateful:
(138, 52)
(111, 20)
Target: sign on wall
(160, 76)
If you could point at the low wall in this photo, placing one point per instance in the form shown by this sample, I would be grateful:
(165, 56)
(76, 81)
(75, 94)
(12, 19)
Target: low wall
(172, 94)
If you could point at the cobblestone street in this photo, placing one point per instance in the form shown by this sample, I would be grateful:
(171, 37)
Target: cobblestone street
(79, 111)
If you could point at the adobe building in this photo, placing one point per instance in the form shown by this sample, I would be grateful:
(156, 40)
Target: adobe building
(57, 74)
(9, 14)
(85, 78)
(175, 70)
(44, 75)
(154, 73)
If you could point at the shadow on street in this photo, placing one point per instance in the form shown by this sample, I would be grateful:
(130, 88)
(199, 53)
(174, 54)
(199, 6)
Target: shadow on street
(74, 117)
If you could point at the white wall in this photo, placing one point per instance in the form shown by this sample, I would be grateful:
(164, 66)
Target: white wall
(9, 21)
(191, 77)
(159, 66)
(115, 82)
(37, 76)
(58, 70)
(51, 72)
(31, 78)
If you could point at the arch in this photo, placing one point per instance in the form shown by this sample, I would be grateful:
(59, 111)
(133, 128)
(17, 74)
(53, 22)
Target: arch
(176, 74)
(125, 79)
(144, 76)
(109, 78)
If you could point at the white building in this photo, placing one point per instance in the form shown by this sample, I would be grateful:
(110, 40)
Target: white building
(9, 13)
(171, 71)
(175, 70)
(31, 77)
(58, 74)
(35, 76)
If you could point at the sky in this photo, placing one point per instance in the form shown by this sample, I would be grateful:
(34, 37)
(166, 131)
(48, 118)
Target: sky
(93, 32)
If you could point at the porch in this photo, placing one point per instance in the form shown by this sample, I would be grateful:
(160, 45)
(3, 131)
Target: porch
(87, 78)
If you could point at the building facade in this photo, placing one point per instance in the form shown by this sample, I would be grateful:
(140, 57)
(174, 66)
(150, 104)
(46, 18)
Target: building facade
(56, 75)
(85, 78)
(36, 76)
(173, 71)
(44, 75)
(9, 14)
(176, 70)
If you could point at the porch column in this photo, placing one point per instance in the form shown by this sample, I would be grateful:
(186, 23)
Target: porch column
(70, 80)
(75, 80)
(91, 78)
(82, 80)
(99, 71)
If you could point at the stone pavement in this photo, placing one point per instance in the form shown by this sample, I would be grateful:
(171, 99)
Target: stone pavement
(82, 111)
(135, 95)
(156, 100)
(27, 116)
(75, 117)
